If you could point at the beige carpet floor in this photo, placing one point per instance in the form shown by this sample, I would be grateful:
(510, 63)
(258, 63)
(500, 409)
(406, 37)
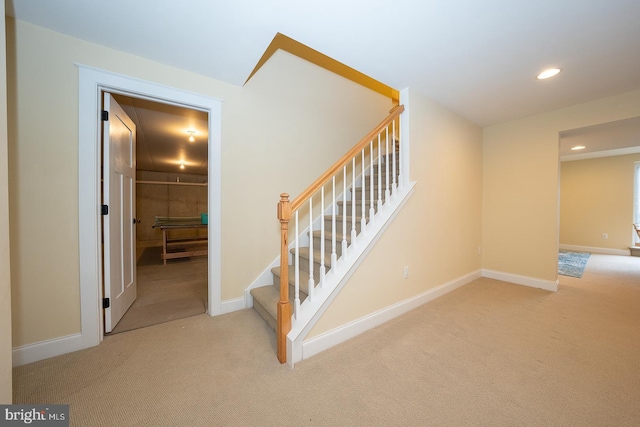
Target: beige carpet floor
(166, 292)
(488, 354)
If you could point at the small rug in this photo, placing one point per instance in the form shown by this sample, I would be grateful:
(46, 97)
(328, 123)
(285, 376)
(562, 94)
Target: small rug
(572, 263)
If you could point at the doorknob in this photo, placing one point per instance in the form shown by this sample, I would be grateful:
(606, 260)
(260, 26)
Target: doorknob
(136, 220)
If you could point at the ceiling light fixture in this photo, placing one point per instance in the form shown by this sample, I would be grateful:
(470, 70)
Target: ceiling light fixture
(548, 73)
(578, 147)
(191, 135)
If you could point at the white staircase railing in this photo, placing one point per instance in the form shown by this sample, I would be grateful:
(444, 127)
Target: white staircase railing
(343, 206)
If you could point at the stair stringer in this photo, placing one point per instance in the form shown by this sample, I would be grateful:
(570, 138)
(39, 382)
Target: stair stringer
(312, 310)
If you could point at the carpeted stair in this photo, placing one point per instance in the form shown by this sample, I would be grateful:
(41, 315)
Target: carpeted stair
(265, 299)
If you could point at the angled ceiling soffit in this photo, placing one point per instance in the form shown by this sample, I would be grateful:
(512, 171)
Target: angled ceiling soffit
(280, 41)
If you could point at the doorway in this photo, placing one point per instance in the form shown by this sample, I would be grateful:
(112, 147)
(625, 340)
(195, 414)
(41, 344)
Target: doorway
(596, 184)
(92, 82)
(171, 172)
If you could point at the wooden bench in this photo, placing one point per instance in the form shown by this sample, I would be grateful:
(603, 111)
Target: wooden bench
(167, 224)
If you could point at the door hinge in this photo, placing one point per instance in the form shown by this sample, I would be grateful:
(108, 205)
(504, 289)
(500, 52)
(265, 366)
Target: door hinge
(106, 303)
(105, 116)
(104, 209)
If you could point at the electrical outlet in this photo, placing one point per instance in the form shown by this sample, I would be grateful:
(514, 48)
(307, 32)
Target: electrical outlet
(406, 271)
(605, 236)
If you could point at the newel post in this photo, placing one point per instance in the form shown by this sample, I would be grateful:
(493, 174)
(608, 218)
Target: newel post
(284, 307)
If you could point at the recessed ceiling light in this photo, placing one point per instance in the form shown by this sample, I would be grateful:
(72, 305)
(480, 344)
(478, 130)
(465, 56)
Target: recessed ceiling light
(548, 73)
(578, 147)
(191, 135)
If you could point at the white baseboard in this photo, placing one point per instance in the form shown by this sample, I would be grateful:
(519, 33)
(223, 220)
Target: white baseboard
(58, 346)
(595, 250)
(49, 348)
(232, 305)
(548, 285)
(345, 332)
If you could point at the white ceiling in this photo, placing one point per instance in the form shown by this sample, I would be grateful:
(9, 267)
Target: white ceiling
(478, 58)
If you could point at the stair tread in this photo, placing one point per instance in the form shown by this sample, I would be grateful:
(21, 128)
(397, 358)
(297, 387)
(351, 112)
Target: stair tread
(304, 253)
(375, 187)
(328, 235)
(304, 279)
(268, 297)
(348, 219)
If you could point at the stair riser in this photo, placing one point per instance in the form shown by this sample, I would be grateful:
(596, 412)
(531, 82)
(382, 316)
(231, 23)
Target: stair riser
(367, 196)
(327, 244)
(304, 265)
(264, 313)
(304, 281)
(383, 165)
(328, 230)
(383, 172)
(367, 207)
(346, 209)
(383, 185)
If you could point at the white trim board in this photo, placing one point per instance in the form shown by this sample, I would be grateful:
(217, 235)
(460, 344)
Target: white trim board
(92, 82)
(595, 250)
(548, 285)
(232, 305)
(45, 349)
(57, 346)
(352, 329)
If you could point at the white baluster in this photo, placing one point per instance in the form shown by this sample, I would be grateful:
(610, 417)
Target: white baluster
(334, 255)
(311, 280)
(296, 280)
(345, 206)
(395, 184)
(363, 220)
(387, 158)
(379, 175)
(372, 210)
(354, 199)
(401, 178)
(323, 268)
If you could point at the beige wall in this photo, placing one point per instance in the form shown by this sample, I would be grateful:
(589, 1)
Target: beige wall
(439, 230)
(5, 277)
(596, 196)
(279, 132)
(521, 185)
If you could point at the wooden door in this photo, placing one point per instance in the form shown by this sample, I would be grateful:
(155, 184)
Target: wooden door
(119, 196)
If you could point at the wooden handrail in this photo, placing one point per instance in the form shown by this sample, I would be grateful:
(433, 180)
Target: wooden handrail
(304, 196)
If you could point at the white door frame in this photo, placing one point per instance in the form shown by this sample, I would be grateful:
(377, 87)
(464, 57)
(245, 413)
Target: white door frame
(92, 82)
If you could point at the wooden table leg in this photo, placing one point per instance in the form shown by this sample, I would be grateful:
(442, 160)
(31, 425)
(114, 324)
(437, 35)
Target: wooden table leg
(164, 247)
